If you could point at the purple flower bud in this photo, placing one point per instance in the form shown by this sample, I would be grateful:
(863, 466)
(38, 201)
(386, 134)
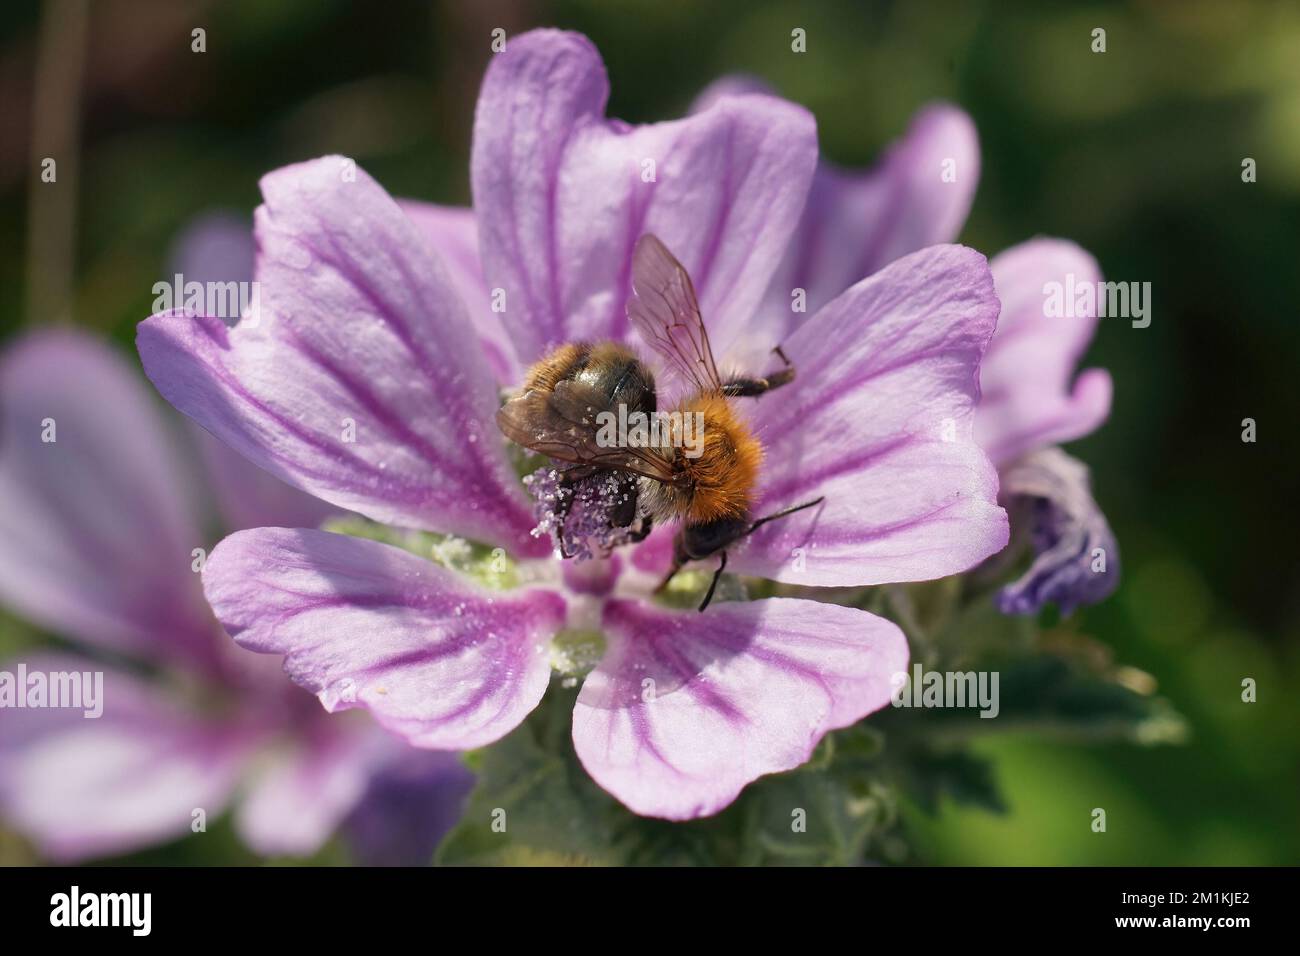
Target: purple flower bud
(1076, 559)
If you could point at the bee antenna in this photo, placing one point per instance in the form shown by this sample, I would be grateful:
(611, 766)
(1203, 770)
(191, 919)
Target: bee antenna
(782, 514)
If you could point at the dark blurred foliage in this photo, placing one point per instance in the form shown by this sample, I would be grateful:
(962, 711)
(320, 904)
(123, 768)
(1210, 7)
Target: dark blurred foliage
(1135, 153)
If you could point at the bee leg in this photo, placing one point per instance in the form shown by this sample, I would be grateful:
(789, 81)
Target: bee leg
(562, 509)
(713, 585)
(622, 515)
(786, 375)
(745, 387)
(641, 533)
(564, 552)
(782, 514)
(672, 573)
(680, 557)
(753, 387)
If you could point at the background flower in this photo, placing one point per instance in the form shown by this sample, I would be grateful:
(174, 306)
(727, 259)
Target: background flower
(918, 194)
(97, 530)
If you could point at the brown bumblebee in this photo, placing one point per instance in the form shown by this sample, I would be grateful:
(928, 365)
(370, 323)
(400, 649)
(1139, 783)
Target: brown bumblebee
(566, 393)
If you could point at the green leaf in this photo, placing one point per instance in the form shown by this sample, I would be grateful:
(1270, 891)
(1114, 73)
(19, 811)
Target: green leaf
(958, 775)
(535, 804)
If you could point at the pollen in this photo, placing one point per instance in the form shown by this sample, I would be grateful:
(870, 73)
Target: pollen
(577, 516)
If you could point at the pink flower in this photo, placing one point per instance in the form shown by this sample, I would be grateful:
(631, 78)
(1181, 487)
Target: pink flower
(857, 222)
(97, 539)
(372, 315)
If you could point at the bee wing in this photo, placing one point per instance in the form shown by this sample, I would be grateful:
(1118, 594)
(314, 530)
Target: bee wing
(666, 313)
(563, 425)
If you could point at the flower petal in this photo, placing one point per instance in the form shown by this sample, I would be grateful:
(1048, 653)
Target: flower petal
(359, 380)
(133, 777)
(856, 223)
(219, 247)
(688, 708)
(1027, 400)
(75, 509)
(733, 84)
(878, 420)
(562, 194)
(1076, 557)
(452, 232)
(411, 804)
(435, 659)
(304, 792)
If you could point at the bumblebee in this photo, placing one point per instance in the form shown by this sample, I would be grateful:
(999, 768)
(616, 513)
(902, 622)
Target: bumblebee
(569, 392)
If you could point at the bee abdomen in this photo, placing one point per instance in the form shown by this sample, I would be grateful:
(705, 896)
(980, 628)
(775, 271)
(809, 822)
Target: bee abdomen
(562, 362)
(611, 369)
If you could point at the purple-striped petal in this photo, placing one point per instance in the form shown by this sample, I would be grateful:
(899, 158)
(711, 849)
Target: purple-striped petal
(1076, 558)
(918, 195)
(438, 661)
(362, 382)
(452, 232)
(85, 787)
(76, 508)
(878, 421)
(857, 222)
(306, 788)
(688, 708)
(562, 194)
(1028, 401)
(218, 247)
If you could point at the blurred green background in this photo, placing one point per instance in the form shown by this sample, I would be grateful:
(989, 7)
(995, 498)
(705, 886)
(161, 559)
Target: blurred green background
(1135, 153)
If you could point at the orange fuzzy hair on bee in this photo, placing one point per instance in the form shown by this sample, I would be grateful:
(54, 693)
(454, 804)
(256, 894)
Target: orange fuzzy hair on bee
(722, 478)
